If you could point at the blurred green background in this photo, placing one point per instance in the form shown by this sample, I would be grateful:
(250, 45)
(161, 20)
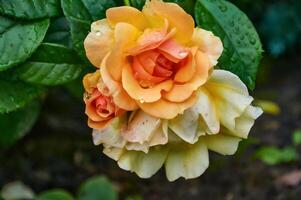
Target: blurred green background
(58, 152)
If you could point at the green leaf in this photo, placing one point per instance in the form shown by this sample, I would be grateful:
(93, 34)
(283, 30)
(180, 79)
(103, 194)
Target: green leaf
(97, 188)
(81, 14)
(16, 94)
(55, 194)
(187, 5)
(59, 32)
(15, 125)
(51, 64)
(242, 47)
(273, 155)
(297, 137)
(30, 9)
(19, 40)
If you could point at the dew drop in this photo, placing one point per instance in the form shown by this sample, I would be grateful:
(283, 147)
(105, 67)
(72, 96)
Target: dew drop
(141, 100)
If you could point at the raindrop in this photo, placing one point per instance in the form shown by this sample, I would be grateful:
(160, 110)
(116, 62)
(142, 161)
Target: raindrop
(141, 100)
(223, 8)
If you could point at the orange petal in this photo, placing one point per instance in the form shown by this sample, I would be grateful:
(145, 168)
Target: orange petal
(148, 60)
(91, 80)
(156, 11)
(128, 15)
(120, 97)
(133, 88)
(173, 50)
(99, 124)
(180, 92)
(142, 74)
(98, 42)
(125, 36)
(187, 70)
(167, 110)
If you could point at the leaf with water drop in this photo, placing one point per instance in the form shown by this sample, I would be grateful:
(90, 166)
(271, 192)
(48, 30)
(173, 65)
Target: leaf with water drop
(242, 46)
(18, 40)
(30, 9)
(81, 14)
(51, 64)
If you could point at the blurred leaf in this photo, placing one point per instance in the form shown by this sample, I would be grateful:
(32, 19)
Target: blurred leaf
(30, 9)
(273, 155)
(81, 14)
(281, 26)
(137, 3)
(56, 194)
(242, 47)
(297, 137)
(15, 125)
(51, 64)
(134, 197)
(19, 40)
(268, 107)
(16, 190)
(16, 94)
(59, 32)
(97, 188)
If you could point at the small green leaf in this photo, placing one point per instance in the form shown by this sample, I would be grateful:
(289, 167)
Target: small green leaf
(273, 155)
(30, 9)
(15, 125)
(16, 94)
(19, 40)
(81, 14)
(97, 188)
(51, 64)
(16, 190)
(242, 47)
(297, 137)
(59, 32)
(56, 194)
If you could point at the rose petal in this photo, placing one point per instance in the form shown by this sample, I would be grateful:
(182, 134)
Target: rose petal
(91, 80)
(128, 15)
(156, 11)
(188, 161)
(222, 144)
(133, 88)
(99, 41)
(167, 110)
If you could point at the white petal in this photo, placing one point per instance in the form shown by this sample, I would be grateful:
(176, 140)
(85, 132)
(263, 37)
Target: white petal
(245, 122)
(141, 128)
(112, 152)
(206, 108)
(144, 165)
(186, 126)
(223, 144)
(188, 161)
(111, 135)
(230, 95)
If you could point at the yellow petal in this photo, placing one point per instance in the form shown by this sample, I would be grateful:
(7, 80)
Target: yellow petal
(91, 80)
(99, 41)
(144, 165)
(208, 43)
(133, 88)
(186, 126)
(125, 36)
(222, 144)
(156, 11)
(188, 161)
(167, 110)
(128, 15)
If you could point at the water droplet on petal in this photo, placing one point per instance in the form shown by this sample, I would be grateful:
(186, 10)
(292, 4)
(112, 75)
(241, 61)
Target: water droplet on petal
(141, 100)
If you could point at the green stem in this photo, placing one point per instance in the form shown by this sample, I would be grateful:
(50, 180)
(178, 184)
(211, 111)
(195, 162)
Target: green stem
(127, 2)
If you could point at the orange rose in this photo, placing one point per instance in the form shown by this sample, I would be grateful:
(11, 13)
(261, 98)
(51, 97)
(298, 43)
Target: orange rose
(155, 59)
(100, 106)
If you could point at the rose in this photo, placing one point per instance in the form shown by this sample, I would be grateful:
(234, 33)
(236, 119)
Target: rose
(220, 118)
(154, 59)
(100, 107)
